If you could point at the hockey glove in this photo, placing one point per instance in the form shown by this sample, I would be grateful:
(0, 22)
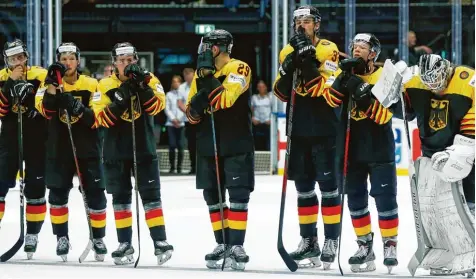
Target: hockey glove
(51, 77)
(205, 64)
(360, 90)
(214, 88)
(73, 105)
(21, 90)
(288, 66)
(302, 45)
(199, 103)
(122, 96)
(310, 71)
(137, 75)
(456, 161)
(357, 65)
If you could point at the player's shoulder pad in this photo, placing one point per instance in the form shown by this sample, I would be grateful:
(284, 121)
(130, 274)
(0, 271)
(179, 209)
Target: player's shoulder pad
(108, 83)
(88, 83)
(328, 53)
(373, 77)
(4, 74)
(465, 74)
(326, 44)
(287, 49)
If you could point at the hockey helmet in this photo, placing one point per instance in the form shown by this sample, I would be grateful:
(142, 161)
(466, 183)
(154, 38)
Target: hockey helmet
(219, 37)
(434, 71)
(69, 48)
(369, 39)
(13, 48)
(124, 48)
(306, 11)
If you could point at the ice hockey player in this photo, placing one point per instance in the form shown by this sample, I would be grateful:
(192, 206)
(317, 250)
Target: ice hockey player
(78, 91)
(371, 154)
(19, 82)
(112, 104)
(440, 96)
(222, 83)
(306, 64)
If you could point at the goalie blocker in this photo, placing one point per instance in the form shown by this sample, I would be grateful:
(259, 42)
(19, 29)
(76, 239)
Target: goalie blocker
(441, 97)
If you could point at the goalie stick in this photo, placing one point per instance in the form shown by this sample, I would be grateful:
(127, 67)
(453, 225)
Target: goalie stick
(290, 263)
(21, 239)
(90, 244)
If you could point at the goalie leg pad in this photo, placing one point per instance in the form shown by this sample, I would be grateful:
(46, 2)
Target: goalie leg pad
(447, 221)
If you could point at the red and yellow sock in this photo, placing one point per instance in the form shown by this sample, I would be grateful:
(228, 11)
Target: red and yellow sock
(35, 215)
(237, 223)
(154, 218)
(308, 209)
(123, 218)
(388, 223)
(2, 207)
(98, 222)
(215, 219)
(59, 215)
(361, 221)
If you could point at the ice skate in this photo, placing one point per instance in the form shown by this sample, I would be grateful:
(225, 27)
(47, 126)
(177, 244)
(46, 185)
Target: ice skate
(100, 249)
(215, 259)
(124, 254)
(329, 252)
(62, 248)
(238, 257)
(163, 251)
(390, 253)
(31, 242)
(364, 256)
(307, 253)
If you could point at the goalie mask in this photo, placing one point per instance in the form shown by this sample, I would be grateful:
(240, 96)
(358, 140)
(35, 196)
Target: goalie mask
(307, 12)
(434, 71)
(124, 49)
(12, 53)
(68, 48)
(220, 38)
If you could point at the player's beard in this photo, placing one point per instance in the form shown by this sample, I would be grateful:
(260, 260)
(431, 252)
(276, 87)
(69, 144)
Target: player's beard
(71, 72)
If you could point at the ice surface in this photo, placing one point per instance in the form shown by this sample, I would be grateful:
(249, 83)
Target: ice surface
(189, 230)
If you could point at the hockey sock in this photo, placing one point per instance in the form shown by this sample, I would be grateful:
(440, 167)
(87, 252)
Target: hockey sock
(214, 211)
(308, 208)
(97, 212)
(360, 221)
(155, 220)
(123, 218)
(2, 207)
(59, 219)
(387, 215)
(237, 221)
(35, 215)
(331, 208)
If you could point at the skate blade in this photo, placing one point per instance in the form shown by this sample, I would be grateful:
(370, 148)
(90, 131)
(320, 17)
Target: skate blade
(309, 263)
(64, 257)
(389, 267)
(129, 259)
(238, 266)
(29, 255)
(218, 264)
(164, 257)
(326, 265)
(99, 257)
(368, 266)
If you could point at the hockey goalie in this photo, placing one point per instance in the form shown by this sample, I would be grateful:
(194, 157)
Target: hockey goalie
(440, 96)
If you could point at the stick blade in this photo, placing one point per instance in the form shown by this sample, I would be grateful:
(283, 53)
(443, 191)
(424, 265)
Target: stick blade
(290, 263)
(86, 251)
(10, 253)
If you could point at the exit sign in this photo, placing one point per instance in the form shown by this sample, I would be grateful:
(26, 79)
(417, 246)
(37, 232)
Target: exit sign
(204, 28)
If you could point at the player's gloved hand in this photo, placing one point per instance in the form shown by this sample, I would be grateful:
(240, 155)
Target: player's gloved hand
(359, 90)
(302, 45)
(51, 77)
(137, 75)
(122, 96)
(356, 64)
(288, 66)
(73, 105)
(21, 90)
(456, 161)
(205, 63)
(213, 87)
(199, 102)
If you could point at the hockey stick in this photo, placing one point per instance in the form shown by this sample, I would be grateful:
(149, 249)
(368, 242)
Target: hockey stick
(136, 188)
(344, 177)
(220, 196)
(88, 248)
(21, 239)
(290, 263)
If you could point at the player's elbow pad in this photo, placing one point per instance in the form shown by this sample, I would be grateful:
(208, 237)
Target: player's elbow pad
(193, 116)
(208, 83)
(283, 88)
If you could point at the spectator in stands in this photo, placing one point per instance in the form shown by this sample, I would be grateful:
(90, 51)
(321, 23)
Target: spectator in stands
(414, 52)
(190, 130)
(108, 70)
(261, 109)
(175, 123)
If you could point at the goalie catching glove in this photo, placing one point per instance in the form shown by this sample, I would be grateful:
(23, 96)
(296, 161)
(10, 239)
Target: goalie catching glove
(456, 161)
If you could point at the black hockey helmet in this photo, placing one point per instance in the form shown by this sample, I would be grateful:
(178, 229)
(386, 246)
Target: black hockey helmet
(370, 39)
(219, 37)
(68, 48)
(13, 48)
(306, 11)
(124, 48)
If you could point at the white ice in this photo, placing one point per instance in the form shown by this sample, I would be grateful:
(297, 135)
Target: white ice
(189, 230)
